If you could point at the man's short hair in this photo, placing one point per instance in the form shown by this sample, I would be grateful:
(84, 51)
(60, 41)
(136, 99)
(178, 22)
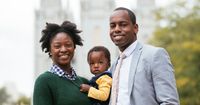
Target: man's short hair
(130, 13)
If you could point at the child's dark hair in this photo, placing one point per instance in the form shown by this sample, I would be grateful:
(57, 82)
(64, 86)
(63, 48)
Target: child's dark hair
(100, 48)
(52, 29)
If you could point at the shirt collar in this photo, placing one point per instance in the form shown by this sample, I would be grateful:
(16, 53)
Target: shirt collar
(130, 49)
(58, 71)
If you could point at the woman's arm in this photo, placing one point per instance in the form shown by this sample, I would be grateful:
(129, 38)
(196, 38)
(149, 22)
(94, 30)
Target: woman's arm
(42, 94)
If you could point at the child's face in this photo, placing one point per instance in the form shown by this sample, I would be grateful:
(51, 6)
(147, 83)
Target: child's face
(98, 62)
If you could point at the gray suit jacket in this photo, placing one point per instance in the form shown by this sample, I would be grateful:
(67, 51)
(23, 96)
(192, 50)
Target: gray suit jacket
(151, 78)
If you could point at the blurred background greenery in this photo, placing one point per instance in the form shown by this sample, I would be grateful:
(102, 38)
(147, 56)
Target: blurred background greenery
(179, 34)
(6, 100)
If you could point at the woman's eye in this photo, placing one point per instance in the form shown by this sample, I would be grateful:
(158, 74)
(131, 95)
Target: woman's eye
(68, 45)
(56, 46)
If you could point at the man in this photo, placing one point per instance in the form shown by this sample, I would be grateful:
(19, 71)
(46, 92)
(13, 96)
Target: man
(146, 76)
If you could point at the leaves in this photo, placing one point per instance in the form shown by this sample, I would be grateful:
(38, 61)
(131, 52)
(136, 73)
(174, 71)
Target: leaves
(181, 38)
(3, 96)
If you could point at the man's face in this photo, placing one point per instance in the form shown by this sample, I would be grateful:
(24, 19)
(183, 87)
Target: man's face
(122, 30)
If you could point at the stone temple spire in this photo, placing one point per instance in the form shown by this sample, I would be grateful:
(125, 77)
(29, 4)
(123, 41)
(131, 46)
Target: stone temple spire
(50, 4)
(145, 18)
(145, 3)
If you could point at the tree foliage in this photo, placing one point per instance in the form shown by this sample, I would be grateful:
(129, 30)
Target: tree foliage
(6, 99)
(23, 100)
(181, 37)
(3, 96)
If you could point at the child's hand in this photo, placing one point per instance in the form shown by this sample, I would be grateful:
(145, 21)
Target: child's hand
(84, 88)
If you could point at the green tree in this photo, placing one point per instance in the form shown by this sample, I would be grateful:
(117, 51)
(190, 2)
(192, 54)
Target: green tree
(180, 35)
(23, 100)
(3, 96)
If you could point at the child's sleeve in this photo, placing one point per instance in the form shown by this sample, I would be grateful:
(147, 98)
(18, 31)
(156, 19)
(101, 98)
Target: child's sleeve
(104, 85)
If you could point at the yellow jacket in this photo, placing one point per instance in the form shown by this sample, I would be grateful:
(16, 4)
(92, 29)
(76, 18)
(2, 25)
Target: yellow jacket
(104, 86)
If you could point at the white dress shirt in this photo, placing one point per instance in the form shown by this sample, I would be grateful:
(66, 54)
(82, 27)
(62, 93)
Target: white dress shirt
(123, 96)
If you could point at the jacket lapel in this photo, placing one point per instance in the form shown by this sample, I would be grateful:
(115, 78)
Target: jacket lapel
(133, 68)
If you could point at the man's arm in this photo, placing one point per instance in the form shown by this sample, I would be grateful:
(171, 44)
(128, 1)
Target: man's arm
(164, 79)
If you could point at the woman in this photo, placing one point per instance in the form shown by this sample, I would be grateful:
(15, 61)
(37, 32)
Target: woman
(60, 85)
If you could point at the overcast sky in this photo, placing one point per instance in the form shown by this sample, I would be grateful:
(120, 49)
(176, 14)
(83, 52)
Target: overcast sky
(16, 44)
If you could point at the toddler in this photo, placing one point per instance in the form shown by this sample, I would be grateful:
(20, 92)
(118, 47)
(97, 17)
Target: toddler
(100, 85)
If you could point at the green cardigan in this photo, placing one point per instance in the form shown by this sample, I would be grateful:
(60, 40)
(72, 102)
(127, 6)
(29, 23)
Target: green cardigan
(50, 89)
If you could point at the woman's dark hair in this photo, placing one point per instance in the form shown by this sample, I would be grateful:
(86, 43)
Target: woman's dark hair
(52, 29)
(100, 48)
(130, 13)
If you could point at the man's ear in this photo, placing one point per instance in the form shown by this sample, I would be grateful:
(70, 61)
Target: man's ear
(135, 28)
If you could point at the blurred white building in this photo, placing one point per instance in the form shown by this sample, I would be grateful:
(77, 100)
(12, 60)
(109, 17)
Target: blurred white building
(92, 17)
(145, 18)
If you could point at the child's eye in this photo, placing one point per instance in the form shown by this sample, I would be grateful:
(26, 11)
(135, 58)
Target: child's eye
(101, 62)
